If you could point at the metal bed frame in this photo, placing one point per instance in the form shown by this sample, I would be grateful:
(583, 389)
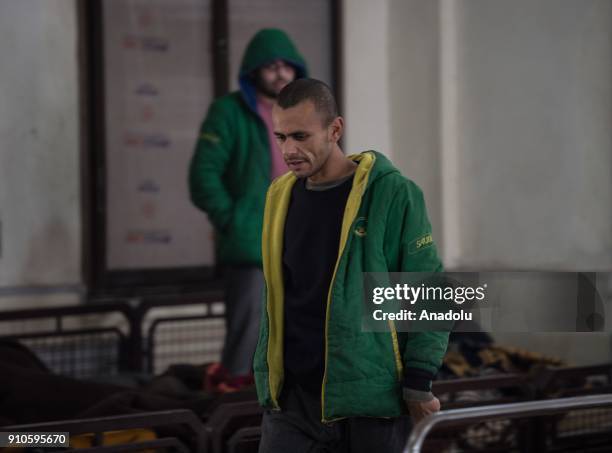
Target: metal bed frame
(529, 409)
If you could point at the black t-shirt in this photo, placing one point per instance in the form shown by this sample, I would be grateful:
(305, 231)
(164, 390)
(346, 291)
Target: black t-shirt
(310, 250)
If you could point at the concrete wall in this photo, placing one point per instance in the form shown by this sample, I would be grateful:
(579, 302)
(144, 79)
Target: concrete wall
(533, 137)
(39, 153)
(366, 76)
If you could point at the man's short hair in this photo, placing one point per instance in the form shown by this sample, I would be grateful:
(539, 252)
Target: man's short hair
(310, 89)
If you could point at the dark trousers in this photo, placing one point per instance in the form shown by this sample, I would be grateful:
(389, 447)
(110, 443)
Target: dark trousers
(297, 428)
(243, 299)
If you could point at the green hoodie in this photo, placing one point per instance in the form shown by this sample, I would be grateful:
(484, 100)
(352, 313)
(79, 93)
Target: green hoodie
(384, 229)
(230, 169)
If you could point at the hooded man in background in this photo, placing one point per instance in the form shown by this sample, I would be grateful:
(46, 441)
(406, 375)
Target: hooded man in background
(235, 159)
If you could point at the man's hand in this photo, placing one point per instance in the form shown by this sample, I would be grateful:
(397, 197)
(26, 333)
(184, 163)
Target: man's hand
(421, 409)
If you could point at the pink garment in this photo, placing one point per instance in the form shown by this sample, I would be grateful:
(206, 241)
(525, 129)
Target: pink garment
(278, 166)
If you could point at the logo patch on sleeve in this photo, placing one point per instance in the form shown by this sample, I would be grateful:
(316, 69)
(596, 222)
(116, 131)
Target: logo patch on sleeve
(420, 243)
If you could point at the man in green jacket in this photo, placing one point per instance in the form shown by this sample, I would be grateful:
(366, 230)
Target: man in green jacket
(232, 167)
(327, 384)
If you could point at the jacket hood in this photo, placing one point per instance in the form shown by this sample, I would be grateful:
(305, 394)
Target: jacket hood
(267, 45)
(381, 166)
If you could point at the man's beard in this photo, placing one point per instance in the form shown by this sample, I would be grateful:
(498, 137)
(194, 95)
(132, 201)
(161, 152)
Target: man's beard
(268, 89)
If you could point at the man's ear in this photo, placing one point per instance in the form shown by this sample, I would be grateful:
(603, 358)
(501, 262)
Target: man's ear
(336, 128)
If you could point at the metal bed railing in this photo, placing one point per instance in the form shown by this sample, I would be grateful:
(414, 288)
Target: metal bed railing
(190, 330)
(69, 345)
(501, 411)
(141, 338)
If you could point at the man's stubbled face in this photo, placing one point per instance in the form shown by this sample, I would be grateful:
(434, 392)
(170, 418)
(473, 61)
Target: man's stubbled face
(272, 77)
(304, 138)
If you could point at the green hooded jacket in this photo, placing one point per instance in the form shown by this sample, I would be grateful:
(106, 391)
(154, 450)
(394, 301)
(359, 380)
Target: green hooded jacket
(230, 169)
(384, 229)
